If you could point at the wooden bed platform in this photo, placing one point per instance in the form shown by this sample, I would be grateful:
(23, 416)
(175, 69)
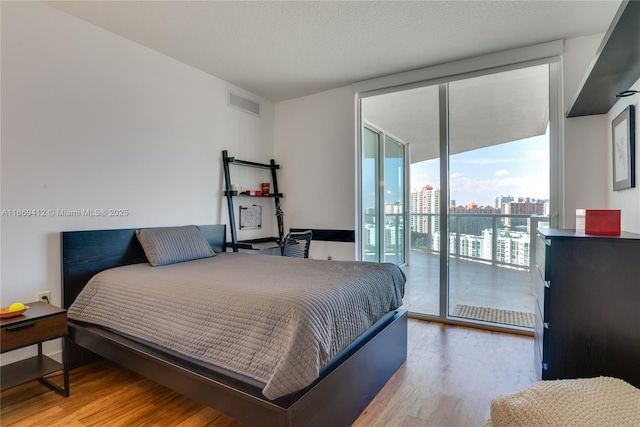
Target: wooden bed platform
(337, 398)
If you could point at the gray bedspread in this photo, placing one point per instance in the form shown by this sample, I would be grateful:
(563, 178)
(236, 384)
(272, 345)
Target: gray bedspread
(276, 320)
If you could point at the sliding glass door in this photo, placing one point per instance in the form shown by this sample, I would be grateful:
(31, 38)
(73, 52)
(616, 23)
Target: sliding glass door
(498, 182)
(383, 198)
(479, 174)
(394, 201)
(370, 190)
(411, 205)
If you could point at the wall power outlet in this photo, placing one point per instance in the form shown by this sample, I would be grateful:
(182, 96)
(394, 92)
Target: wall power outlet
(44, 297)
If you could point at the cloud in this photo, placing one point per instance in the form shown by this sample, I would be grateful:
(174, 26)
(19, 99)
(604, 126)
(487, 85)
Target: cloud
(502, 172)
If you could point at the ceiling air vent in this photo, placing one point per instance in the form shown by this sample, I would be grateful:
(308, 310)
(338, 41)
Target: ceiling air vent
(244, 104)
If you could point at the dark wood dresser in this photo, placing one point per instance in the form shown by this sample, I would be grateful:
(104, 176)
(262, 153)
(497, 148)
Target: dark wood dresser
(588, 305)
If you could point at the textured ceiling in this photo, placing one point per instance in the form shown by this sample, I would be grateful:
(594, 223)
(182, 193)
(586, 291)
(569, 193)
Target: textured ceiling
(284, 50)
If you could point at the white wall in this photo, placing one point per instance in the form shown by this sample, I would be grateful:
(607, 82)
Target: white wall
(314, 141)
(627, 200)
(585, 174)
(92, 120)
(587, 144)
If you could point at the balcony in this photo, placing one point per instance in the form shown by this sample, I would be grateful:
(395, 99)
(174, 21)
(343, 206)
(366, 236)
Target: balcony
(490, 262)
(472, 283)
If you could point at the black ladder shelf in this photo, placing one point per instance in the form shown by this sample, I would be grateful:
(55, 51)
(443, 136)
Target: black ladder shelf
(256, 244)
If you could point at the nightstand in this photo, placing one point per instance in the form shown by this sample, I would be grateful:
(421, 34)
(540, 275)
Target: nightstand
(41, 322)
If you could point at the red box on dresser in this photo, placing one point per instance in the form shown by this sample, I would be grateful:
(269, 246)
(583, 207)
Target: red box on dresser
(602, 222)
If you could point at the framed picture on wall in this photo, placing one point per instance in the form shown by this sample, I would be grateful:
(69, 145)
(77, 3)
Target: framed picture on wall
(623, 145)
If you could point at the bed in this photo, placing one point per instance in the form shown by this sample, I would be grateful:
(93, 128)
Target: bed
(349, 378)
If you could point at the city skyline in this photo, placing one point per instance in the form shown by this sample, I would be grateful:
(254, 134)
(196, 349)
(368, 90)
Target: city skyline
(518, 168)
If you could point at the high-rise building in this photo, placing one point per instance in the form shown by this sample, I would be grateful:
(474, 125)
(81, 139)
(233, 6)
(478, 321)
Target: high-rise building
(513, 248)
(521, 208)
(430, 205)
(415, 207)
(425, 201)
(393, 208)
(499, 201)
(524, 208)
(430, 199)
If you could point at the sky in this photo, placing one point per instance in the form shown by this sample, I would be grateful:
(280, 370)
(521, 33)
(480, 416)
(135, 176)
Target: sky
(518, 169)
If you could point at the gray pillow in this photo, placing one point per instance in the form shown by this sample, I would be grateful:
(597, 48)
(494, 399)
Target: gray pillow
(169, 245)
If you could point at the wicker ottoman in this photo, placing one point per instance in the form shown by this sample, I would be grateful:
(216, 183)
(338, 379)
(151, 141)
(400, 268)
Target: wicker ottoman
(596, 402)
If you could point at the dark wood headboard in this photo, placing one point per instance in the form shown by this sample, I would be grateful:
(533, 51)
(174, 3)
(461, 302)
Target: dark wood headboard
(86, 253)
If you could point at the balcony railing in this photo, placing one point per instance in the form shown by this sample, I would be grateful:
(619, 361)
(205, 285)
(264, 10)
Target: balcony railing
(498, 239)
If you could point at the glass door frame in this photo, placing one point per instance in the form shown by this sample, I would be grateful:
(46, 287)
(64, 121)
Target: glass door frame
(443, 120)
(556, 162)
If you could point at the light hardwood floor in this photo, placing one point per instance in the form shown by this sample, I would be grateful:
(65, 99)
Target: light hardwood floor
(450, 376)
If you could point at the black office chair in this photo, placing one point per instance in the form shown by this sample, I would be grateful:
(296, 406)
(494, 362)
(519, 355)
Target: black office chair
(296, 244)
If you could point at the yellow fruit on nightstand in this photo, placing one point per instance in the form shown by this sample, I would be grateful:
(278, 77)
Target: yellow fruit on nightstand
(16, 306)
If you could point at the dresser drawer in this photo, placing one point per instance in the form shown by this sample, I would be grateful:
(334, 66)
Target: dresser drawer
(29, 332)
(543, 246)
(542, 291)
(540, 338)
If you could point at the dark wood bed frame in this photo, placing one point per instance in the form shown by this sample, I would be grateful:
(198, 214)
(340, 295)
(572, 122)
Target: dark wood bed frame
(337, 398)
